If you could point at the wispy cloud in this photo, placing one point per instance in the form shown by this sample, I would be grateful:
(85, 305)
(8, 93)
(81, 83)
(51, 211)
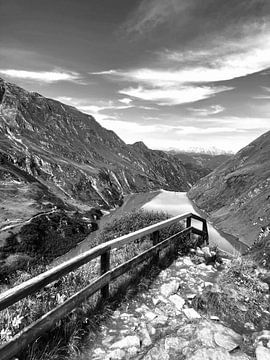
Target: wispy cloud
(42, 76)
(151, 13)
(95, 109)
(174, 95)
(126, 101)
(210, 110)
(104, 72)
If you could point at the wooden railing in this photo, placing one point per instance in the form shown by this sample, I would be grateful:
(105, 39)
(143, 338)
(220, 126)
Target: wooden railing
(46, 322)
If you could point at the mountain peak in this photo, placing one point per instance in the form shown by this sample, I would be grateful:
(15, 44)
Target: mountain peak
(141, 145)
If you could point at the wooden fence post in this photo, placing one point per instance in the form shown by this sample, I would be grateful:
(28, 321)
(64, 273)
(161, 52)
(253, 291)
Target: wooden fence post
(188, 222)
(155, 240)
(104, 267)
(205, 230)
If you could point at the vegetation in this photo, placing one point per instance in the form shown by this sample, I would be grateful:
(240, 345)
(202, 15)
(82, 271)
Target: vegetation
(43, 239)
(240, 298)
(65, 338)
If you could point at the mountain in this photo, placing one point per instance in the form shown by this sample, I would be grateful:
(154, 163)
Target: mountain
(236, 195)
(57, 162)
(76, 157)
(204, 160)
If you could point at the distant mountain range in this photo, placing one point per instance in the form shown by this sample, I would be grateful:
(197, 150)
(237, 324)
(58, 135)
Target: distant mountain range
(236, 195)
(205, 160)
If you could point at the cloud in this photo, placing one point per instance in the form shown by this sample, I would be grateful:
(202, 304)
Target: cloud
(221, 63)
(42, 76)
(104, 72)
(178, 14)
(174, 95)
(210, 110)
(189, 75)
(151, 13)
(95, 110)
(126, 101)
(191, 130)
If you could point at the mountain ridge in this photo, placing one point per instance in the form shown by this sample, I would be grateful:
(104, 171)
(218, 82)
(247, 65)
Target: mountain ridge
(236, 194)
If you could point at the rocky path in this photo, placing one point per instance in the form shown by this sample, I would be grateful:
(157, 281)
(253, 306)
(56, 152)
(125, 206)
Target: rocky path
(161, 323)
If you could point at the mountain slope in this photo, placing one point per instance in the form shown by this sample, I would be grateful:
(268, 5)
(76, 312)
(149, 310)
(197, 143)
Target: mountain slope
(75, 157)
(206, 161)
(236, 195)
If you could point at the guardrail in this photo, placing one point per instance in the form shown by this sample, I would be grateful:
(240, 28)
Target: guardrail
(46, 322)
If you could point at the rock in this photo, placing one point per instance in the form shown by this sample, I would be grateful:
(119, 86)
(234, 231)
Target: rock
(116, 354)
(199, 252)
(227, 339)
(175, 343)
(190, 296)
(132, 351)
(146, 339)
(206, 251)
(150, 315)
(210, 354)
(191, 313)
(156, 301)
(127, 342)
(207, 283)
(160, 320)
(249, 326)
(157, 353)
(170, 288)
(264, 287)
(262, 335)
(178, 301)
(187, 261)
(262, 353)
(99, 352)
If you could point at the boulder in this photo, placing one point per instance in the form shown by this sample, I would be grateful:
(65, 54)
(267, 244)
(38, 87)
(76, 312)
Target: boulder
(127, 342)
(169, 288)
(178, 301)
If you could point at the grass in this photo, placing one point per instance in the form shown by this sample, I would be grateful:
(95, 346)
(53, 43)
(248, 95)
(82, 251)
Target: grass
(65, 339)
(240, 299)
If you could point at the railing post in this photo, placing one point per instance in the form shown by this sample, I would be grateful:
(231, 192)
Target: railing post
(205, 230)
(188, 222)
(104, 267)
(155, 240)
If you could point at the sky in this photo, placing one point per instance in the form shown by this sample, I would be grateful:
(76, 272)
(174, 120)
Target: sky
(175, 74)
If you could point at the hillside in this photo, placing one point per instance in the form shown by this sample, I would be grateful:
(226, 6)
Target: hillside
(206, 161)
(76, 157)
(236, 195)
(57, 163)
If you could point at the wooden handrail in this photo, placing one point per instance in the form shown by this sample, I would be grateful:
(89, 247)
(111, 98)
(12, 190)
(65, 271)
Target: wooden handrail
(30, 286)
(43, 324)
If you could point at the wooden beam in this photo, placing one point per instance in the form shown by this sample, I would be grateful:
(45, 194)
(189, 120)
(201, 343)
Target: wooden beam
(105, 267)
(46, 322)
(155, 240)
(36, 329)
(30, 286)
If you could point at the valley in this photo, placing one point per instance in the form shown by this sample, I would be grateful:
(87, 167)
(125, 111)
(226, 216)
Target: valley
(56, 164)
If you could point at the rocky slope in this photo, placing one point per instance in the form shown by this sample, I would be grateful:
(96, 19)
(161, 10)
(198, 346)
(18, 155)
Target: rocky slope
(236, 195)
(76, 157)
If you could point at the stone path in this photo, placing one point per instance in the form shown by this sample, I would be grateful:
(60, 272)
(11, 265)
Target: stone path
(162, 324)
